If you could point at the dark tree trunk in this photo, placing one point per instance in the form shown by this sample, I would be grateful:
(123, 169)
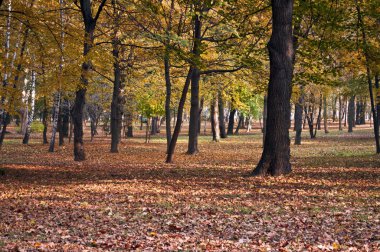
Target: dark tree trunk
(340, 113)
(80, 95)
(319, 118)
(351, 113)
(222, 125)
(129, 124)
(362, 112)
(325, 126)
(195, 77)
(335, 99)
(178, 124)
(298, 118)
(275, 159)
(240, 123)
(168, 83)
(369, 80)
(6, 121)
(45, 114)
(154, 126)
(117, 96)
(377, 85)
(231, 122)
(309, 113)
(60, 126)
(168, 97)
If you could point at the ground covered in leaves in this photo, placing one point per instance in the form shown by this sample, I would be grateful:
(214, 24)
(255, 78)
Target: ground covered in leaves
(134, 201)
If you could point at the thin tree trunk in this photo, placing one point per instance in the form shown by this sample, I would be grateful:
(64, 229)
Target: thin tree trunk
(32, 94)
(318, 123)
(275, 159)
(222, 125)
(45, 122)
(215, 120)
(178, 124)
(57, 96)
(340, 113)
(351, 113)
(325, 125)
(240, 123)
(298, 118)
(167, 77)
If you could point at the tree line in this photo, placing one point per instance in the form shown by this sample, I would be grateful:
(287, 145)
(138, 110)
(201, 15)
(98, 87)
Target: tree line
(111, 60)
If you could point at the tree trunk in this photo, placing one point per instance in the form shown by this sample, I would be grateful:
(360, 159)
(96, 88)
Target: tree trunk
(60, 126)
(117, 96)
(351, 113)
(298, 118)
(178, 124)
(377, 85)
(318, 123)
(129, 124)
(340, 113)
(154, 126)
(80, 94)
(335, 99)
(45, 122)
(168, 84)
(215, 120)
(325, 125)
(194, 109)
(309, 113)
(240, 123)
(275, 159)
(222, 125)
(231, 122)
(31, 98)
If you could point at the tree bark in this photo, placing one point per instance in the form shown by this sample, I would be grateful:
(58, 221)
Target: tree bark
(325, 125)
(298, 118)
(117, 97)
(215, 120)
(351, 113)
(167, 77)
(31, 98)
(195, 77)
(178, 124)
(340, 113)
(231, 122)
(80, 95)
(240, 123)
(275, 159)
(222, 125)
(45, 114)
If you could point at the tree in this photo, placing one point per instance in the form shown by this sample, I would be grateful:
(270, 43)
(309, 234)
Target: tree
(275, 159)
(77, 110)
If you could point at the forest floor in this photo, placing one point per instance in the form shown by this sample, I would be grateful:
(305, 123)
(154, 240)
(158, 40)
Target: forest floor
(134, 201)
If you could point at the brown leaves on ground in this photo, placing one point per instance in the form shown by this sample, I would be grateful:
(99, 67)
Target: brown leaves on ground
(134, 201)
